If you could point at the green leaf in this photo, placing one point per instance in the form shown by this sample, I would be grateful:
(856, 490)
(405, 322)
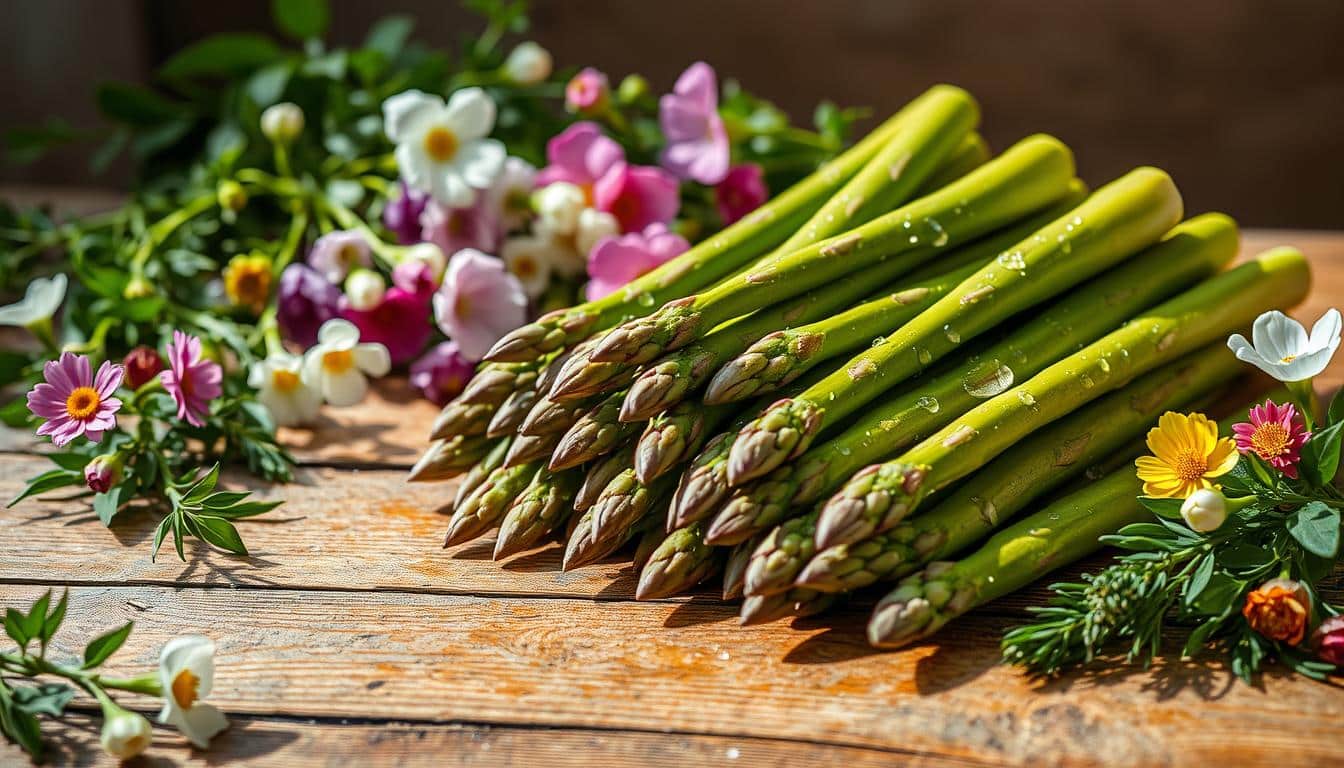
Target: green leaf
(106, 505)
(1220, 596)
(20, 726)
(1315, 525)
(159, 533)
(248, 509)
(330, 66)
(1336, 413)
(388, 35)
(1168, 508)
(221, 55)
(37, 616)
(220, 532)
(69, 460)
(1199, 579)
(202, 487)
(136, 105)
(1320, 456)
(14, 627)
(223, 499)
(1244, 555)
(45, 699)
(48, 481)
(15, 413)
(55, 618)
(301, 19)
(267, 86)
(102, 647)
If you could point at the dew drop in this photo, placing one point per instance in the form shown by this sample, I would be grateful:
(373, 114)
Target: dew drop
(928, 403)
(845, 451)
(1104, 366)
(924, 355)
(951, 334)
(940, 236)
(877, 341)
(645, 299)
(1086, 381)
(832, 396)
(1026, 398)
(988, 379)
(1077, 221)
(1013, 260)
(914, 239)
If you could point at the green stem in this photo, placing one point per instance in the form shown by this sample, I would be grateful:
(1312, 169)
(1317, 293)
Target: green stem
(1304, 397)
(164, 227)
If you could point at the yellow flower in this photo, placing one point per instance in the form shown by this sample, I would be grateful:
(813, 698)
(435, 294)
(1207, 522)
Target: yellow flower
(247, 281)
(1187, 455)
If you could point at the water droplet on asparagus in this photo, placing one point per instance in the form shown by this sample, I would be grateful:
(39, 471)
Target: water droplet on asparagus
(1026, 398)
(924, 355)
(928, 403)
(951, 334)
(1086, 381)
(645, 299)
(1013, 260)
(988, 379)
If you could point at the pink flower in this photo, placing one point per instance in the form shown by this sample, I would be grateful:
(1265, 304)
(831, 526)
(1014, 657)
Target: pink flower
(587, 91)
(741, 192)
(442, 373)
(336, 253)
(102, 472)
(580, 155)
(479, 302)
(74, 401)
(637, 196)
(453, 229)
(401, 215)
(616, 261)
(399, 322)
(192, 380)
(1276, 434)
(697, 143)
(1328, 640)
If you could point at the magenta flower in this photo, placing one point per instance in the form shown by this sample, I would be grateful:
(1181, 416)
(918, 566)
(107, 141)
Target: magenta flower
(192, 380)
(102, 472)
(580, 155)
(336, 253)
(479, 302)
(75, 402)
(401, 215)
(587, 91)
(1276, 434)
(304, 302)
(452, 229)
(399, 322)
(638, 196)
(415, 277)
(697, 143)
(442, 372)
(742, 191)
(616, 261)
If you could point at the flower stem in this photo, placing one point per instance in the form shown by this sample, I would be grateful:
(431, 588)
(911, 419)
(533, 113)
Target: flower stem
(1304, 397)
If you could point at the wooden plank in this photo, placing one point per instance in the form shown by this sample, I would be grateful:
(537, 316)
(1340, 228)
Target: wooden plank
(688, 668)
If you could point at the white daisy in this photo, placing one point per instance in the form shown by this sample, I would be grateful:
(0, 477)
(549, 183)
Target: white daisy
(337, 364)
(281, 388)
(442, 148)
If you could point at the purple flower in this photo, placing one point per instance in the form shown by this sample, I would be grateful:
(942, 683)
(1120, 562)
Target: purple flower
(305, 301)
(637, 196)
(401, 215)
(399, 322)
(479, 302)
(452, 229)
(697, 143)
(442, 372)
(580, 155)
(616, 261)
(336, 253)
(587, 91)
(742, 191)
(102, 472)
(75, 402)
(142, 364)
(192, 380)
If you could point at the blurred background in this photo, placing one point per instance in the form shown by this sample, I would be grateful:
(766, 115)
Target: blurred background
(1241, 100)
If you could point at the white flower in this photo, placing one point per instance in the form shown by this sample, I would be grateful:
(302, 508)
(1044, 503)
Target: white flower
(282, 123)
(427, 253)
(593, 226)
(528, 64)
(530, 259)
(337, 364)
(125, 734)
(1204, 510)
(1283, 349)
(511, 195)
(442, 148)
(281, 388)
(187, 672)
(559, 205)
(40, 301)
(364, 289)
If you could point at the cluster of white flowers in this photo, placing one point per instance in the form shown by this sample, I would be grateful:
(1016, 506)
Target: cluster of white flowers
(335, 370)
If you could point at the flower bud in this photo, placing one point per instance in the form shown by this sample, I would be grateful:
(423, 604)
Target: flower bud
(1204, 510)
(1328, 640)
(632, 89)
(138, 287)
(1279, 610)
(231, 195)
(588, 92)
(125, 733)
(282, 123)
(364, 289)
(528, 64)
(142, 364)
(427, 253)
(103, 472)
(559, 205)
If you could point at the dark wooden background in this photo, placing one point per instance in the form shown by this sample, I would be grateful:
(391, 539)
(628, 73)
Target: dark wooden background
(1241, 100)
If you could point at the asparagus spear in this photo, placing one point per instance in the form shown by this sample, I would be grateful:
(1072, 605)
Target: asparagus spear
(488, 503)
(971, 153)
(1121, 218)
(650, 537)
(529, 448)
(458, 418)
(735, 568)
(622, 510)
(509, 417)
(799, 601)
(596, 433)
(543, 504)
(448, 458)
(1039, 465)
(1029, 176)
(1019, 554)
(703, 264)
(780, 555)
(494, 382)
(548, 416)
(1190, 252)
(481, 470)
(601, 473)
(680, 562)
(881, 495)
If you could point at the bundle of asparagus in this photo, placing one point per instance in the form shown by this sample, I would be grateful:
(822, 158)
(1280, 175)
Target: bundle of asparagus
(930, 315)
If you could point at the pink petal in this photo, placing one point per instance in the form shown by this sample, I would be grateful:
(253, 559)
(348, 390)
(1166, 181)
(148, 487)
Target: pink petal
(108, 379)
(699, 84)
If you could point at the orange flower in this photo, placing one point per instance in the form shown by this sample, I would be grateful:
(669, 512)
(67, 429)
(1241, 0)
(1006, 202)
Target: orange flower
(1279, 610)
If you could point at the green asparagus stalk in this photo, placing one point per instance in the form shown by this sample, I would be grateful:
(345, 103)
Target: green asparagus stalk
(1013, 558)
(680, 562)
(596, 433)
(488, 503)
(1190, 252)
(704, 483)
(494, 382)
(622, 510)
(971, 153)
(781, 357)
(525, 449)
(481, 470)
(542, 505)
(707, 262)
(1029, 176)
(735, 568)
(581, 377)
(799, 601)
(880, 496)
(1121, 218)
(602, 472)
(1039, 465)
(458, 418)
(448, 458)
(509, 417)
(548, 416)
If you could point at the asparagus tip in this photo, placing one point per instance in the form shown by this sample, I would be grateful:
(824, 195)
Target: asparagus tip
(763, 609)
(899, 620)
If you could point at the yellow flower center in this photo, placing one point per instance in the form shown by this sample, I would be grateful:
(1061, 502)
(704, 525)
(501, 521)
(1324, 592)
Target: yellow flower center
(338, 361)
(184, 688)
(440, 144)
(1190, 465)
(248, 282)
(349, 254)
(284, 381)
(1270, 440)
(1287, 358)
(82, 403)
(524, 268)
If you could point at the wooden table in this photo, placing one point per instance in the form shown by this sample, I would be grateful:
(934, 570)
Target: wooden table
(350, 637)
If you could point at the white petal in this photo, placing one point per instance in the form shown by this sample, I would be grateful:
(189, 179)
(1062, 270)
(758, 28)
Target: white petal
(415, 168)
(1248, 354)
(403, 111)
(480, 162)
(344, 389)
(448, 187)
(470, 114)
(373, 359)
(338, 333)
(259, 376)
(1277, 336)
(1325, 333)
(199, 724)
(1306, 366)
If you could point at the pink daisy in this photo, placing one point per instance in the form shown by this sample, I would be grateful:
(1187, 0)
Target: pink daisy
(1276, 434)
(192, 380)
(74, 401)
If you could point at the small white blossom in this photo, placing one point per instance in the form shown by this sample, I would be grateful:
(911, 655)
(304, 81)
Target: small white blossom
(282, 389)
(338, 363)
(40, 301)
(528, 64)
(530, 260)
(430, 254)
(1281, 347)
(187, 673)
(559, 205)
(442, 148)
(282, 123)
(364, 289)
(593, 226)
(1204, 510)
(511, 195)
(125, 734)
